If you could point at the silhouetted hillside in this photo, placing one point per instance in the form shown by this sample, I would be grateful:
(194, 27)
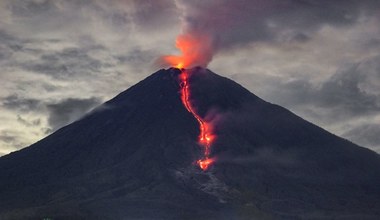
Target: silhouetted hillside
(133, 158)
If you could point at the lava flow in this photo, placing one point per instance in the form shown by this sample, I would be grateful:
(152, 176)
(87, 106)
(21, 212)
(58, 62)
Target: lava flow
(205, 137)
(196, 50)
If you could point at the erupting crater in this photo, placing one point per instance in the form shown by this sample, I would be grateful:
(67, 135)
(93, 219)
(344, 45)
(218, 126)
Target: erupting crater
(205, 137)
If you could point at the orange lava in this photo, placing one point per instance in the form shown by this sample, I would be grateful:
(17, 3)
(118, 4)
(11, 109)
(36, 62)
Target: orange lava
(205, 137)
(196, 50)
(205, 163)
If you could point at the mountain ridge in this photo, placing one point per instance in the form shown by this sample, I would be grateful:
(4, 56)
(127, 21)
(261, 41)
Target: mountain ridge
(134, 158)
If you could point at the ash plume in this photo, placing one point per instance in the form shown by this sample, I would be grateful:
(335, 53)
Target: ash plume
(210, 27)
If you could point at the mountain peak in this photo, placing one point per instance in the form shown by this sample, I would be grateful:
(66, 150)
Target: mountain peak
(136, 157)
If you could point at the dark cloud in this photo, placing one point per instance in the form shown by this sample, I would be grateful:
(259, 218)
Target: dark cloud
(37, 16)
(5, 53)
(6, 38)
(59, 113)
(83, 61)
(29, 123)
(344, 90)
(69, 110)
(60, 64)
(117, 15)
(367, 135)
(374, 42)
(137, 57)
(215, 26)
(7, 138)
(66, 63)
(20, 104)
(239, 22)
(10, 138)
(31, 8)
(8, 44)
(300, 37)
(14, 43)
(148, 14)
(345, 94)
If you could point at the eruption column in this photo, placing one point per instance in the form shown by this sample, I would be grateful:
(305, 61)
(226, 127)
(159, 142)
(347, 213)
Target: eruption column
(205, 136)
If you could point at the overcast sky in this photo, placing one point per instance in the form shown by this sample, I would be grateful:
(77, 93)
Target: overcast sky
(61, 58)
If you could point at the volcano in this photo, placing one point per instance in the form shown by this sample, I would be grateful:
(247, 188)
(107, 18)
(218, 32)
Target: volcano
(135, 157)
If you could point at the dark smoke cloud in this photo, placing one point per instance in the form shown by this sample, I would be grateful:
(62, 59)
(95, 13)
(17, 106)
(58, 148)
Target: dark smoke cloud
(66, 63)
(69, 110)
(232, 24)
(10, 138)
(149, 15)
(15, 102)
(59, 113)
(352, 91)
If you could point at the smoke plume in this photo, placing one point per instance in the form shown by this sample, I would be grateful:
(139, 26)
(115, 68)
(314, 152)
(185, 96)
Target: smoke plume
(213, 26)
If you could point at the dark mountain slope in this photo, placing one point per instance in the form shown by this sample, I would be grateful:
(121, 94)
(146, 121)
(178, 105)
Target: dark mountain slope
(133, 158)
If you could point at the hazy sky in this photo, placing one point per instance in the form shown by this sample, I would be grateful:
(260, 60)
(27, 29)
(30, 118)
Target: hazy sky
(61, 58)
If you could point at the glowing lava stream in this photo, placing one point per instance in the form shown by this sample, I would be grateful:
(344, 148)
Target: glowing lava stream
(205, 136)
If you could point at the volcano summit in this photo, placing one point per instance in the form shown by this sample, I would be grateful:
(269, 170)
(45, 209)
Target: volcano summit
(135, 157)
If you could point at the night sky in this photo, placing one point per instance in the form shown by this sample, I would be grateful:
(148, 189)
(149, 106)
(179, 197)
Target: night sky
(61, 58)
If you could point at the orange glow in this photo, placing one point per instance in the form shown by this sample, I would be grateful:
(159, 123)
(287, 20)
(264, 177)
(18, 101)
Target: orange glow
(179, 65)
(196, 50)
(205, 137)
(205, 163)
